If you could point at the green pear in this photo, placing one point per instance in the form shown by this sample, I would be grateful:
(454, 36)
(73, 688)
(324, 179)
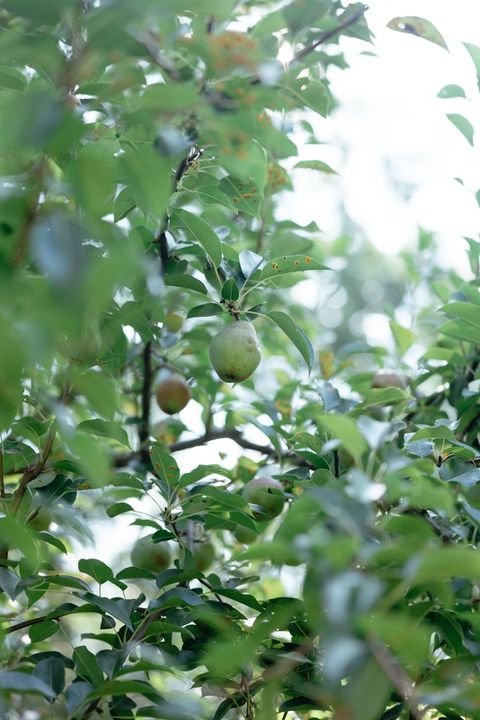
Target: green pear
(173, 394)
(204, 554)
(41, 520)
(245, 535)
(173, 321)
(267, 493)
(234, 352)
(151, 556)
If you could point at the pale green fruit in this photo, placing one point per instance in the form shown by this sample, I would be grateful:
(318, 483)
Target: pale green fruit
(41, 521)
(204, 554)
(173, 321)
(267, 493)
(234, 352)
(152, 556)
(245, 535)
(173, 394)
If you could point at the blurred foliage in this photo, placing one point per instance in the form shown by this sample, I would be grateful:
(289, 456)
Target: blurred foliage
(144, 150)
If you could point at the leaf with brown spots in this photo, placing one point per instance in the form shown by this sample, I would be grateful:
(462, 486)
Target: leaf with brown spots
(288, 264)
(164, 465)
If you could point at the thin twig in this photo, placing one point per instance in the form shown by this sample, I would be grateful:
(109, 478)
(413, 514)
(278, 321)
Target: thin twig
(329, 34)
(397, 676)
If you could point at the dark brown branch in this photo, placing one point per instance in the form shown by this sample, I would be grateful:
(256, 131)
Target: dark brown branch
(144, 428)
(329, 34)
(161, 244)
(33, 621)
(227, 434)
(324, 38)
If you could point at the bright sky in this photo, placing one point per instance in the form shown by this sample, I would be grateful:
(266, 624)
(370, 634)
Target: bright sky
(390, 140)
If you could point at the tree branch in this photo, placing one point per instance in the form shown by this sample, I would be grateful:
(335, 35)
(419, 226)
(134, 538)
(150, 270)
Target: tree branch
(397, 676)
(329, 34)
(144, 427)
(161, 244)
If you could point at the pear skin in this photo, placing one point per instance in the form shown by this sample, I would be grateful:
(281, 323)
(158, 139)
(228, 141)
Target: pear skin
(234, 352)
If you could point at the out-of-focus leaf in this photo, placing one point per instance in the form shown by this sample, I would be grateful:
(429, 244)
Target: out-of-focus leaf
(451, 91)
(464, 125)
(404, 338)
(414, 25)
(344, 428)
(474, 52)
(318, 165)
(296, 335)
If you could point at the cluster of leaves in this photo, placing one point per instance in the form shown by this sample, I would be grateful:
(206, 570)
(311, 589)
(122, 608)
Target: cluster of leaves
(144, 147)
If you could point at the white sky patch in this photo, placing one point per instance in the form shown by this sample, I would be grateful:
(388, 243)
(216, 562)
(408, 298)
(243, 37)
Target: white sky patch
(396, 152)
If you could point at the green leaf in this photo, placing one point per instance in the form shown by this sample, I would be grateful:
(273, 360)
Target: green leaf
(451, 91)
(224, 708)
(301, 14)
(245, 198)
(185, 281)
(53, 540)
(286, 264)
(230, 290)
(51, 670)
(296, 335)
(463, 311)
(86, 665)
(169, 96)
(105, 429)
(461, 330)
(315, 165)
(414, 25)
(404, 338)
(239, 597)
(165, 465)
(12, 78)
(474, 52)
(205, 310)
(200, 231)
(118, 509)
(385, 396)
(344, 428)
(96, 569)
(43, 630)
(438, 565)
(464, 125)
(21, 682)
(147, 174)
(202, 471)
(315, 95)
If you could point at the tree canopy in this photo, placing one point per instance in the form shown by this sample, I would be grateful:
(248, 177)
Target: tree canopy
(331, 569)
